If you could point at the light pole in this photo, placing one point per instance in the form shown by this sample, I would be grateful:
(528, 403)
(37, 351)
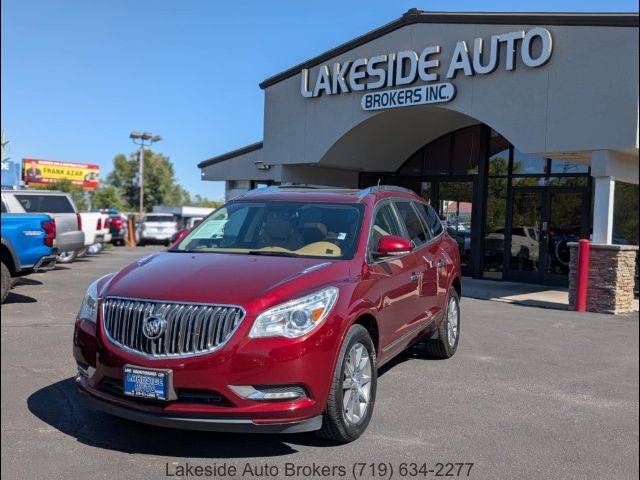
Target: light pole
(142, 139)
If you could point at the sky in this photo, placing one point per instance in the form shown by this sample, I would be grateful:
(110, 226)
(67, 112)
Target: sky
(78, 76)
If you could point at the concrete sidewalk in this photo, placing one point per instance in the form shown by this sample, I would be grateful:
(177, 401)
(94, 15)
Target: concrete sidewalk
(519, 293)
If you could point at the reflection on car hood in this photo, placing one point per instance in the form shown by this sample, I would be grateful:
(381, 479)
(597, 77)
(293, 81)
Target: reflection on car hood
(224, 278)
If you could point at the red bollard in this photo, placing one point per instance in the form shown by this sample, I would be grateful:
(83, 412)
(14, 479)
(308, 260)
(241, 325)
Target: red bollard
(582, 275)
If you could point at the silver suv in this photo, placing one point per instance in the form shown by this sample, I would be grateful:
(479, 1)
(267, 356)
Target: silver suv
(156, 228)
(69, 235)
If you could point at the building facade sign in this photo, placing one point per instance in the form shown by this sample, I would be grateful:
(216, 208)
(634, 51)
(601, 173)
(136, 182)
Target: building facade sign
(534, 47)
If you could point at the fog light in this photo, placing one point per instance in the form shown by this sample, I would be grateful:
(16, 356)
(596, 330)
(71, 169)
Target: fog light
(266, 393)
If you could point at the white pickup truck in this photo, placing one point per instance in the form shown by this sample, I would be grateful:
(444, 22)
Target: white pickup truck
(95, 226)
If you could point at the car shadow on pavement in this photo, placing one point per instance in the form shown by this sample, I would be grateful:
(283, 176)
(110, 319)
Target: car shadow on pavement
(62, 407)
(14, 297)
(27, 281)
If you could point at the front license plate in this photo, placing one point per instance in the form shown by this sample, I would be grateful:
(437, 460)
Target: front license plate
(146, 383)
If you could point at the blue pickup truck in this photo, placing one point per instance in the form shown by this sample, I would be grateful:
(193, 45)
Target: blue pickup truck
(27, 246)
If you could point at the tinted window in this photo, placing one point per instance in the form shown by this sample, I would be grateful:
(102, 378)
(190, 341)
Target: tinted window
(46, 203)
(4, 209)
(385, 223)
(158, 218)
(431, 217)
(411, 220)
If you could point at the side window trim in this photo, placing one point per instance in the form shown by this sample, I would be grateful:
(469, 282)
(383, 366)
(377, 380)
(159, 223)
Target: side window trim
(404, 225)
(378, 206)
(423, 221)
(428, 229)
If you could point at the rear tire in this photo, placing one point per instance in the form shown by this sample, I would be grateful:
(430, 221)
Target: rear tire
(353, 389)
(6, 283)
(446, 344)
(66, 257)
(141, 243)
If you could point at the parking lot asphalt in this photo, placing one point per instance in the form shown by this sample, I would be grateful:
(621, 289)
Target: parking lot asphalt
(531, 393)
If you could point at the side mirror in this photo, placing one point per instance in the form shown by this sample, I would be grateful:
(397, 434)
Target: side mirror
(391, 246)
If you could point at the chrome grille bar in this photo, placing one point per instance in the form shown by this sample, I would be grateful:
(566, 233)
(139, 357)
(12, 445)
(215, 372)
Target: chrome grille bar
(191, 329)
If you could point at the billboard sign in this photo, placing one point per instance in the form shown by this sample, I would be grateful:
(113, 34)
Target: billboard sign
(37, 172)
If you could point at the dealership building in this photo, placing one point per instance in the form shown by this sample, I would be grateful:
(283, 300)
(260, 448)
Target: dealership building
(520, 128)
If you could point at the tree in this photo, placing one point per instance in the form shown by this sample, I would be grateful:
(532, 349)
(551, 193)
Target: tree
(108, 196)
(160, 187)
(199, 201)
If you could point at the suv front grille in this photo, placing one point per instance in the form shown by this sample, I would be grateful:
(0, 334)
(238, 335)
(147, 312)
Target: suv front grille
(190, 329)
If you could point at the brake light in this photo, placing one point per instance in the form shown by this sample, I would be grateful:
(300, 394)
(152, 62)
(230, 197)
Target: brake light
(107, 223)
(117, 223)
(50, 232)
(99, 226)
(79, 218)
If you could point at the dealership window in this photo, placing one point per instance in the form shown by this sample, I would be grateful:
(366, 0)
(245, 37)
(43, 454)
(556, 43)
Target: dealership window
(456, 153)
(496, 205)
(564, 167)
(524, 164)
(625, 223)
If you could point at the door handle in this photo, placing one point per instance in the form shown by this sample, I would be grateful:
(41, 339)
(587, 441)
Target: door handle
(414, 277)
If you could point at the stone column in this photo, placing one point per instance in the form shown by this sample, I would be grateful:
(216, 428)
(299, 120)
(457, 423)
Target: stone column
(611, 283)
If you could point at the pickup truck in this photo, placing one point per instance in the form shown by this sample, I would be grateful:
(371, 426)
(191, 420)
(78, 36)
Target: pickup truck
(27, 246)
(117, 225)
(69, 235)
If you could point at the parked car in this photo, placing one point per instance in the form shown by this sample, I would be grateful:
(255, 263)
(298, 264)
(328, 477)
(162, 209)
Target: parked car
(118, 227)
(69, 235)
(104, 229)
(91, 225)
(27, 246)
(279, 320)
(156, 228)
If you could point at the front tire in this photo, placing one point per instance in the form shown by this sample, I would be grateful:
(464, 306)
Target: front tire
(353, 388)
(448, 333)
(66, 257)
(6, 283)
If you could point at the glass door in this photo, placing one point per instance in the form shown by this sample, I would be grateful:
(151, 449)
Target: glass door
(565, 213)
(523, 236)
(543, 222)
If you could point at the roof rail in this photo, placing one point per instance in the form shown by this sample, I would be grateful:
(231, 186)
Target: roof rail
(384, 188)
(292, 186)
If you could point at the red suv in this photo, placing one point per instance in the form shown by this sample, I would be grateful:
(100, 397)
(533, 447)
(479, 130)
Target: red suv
(274, 314)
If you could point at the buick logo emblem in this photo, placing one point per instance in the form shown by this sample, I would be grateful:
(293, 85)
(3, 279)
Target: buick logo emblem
(153, 327)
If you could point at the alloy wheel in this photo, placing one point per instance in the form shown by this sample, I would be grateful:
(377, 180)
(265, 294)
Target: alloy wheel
(356, 384)
(453, 319)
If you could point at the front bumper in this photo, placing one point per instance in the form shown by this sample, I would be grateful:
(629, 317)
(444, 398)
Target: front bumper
(276, 362)
(197, 422)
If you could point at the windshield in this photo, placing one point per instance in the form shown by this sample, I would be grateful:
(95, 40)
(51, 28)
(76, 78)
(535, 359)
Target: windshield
(278, 228)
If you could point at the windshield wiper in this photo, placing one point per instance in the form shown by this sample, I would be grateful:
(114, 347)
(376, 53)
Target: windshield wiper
(272, 253)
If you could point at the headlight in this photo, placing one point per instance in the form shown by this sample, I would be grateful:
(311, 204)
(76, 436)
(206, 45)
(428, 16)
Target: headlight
(89, 307)
(297, 317)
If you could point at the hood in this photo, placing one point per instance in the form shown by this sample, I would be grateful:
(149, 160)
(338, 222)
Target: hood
(246, 280)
